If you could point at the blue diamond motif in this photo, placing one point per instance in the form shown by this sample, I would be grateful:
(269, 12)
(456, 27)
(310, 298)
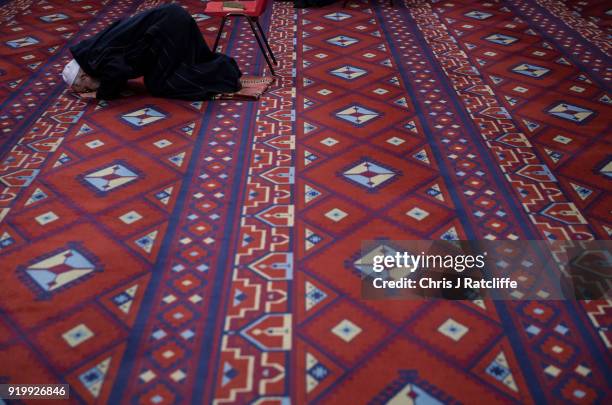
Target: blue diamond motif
(6, 240)
(143, 116)
(530, 70)
(369, 174)
(478, 15)
(50, 272)
(93, 377)
(54, 17)
(342, 41)
(110, 178)
(121, 298)
(497, 371)
(337, 16)
(501, 39)
(318, 372)
(21, 42)
(348, 72)
(570, 112)
(357, 115)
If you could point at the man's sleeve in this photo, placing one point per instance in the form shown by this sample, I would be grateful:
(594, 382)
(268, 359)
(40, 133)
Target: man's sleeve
(109, 89)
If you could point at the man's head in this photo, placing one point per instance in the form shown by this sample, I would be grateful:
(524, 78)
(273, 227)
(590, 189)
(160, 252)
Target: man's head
(77, 79)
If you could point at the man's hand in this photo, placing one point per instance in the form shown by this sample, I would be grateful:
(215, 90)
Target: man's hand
(91, 94)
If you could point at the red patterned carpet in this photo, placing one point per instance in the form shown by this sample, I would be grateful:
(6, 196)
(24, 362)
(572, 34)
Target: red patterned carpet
(166, 252)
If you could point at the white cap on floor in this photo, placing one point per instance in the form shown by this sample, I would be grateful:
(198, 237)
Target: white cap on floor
(70, 72)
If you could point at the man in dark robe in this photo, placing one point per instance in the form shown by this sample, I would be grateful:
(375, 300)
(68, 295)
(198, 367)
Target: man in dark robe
(163, 44)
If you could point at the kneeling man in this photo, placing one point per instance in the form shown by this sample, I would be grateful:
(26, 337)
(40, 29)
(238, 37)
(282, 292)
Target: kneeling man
(165, 46)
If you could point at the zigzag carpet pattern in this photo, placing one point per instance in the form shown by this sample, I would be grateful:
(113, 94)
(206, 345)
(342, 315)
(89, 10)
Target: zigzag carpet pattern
(167, 252)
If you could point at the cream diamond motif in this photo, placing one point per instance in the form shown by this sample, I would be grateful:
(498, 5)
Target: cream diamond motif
(130, 217)
(77, 335)
(395, 141)
(162, 143)
(577, 89)
(46, 218)
(94, 144)
(346, 330)
(178, 375)
(453, 329)
(147, 376)
(336, 214)
(418, 213)
(562, 139)
(329, 141)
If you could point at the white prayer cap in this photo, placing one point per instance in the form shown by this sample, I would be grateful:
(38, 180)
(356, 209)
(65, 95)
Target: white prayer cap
(70, 72)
